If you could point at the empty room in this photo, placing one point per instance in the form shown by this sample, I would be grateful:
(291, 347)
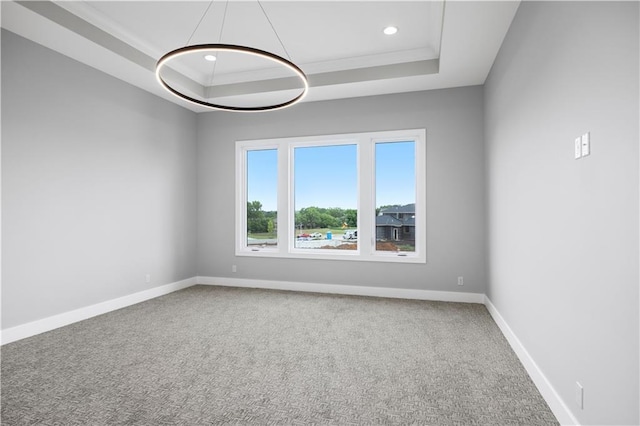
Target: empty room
(263, 212)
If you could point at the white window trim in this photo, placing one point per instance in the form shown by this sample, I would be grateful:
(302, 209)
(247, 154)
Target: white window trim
(366, 197)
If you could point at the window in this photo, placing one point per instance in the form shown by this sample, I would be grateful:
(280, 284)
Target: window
(395, 185)
(348, 197)
(262, 197)
(325, 196)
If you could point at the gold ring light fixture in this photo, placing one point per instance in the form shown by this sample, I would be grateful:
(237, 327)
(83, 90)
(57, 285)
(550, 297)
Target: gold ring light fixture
(208, 49)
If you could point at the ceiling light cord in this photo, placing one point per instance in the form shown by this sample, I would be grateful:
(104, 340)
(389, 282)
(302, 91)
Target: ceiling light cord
(199, 22)
(209, 88)
(274, 30)
(224, 19)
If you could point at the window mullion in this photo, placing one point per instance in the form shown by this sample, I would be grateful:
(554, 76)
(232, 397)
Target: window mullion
(241, 198)
(284, 179)
(366, 223)
(421, 185)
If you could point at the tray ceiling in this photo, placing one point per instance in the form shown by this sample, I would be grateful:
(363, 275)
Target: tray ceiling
(338, 44)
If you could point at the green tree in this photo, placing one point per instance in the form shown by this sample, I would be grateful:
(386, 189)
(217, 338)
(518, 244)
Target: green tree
(319, 217)
(328, 221)
(308, 217)
(256, 220)
(351, 217)
(335, 212)
(254, 210)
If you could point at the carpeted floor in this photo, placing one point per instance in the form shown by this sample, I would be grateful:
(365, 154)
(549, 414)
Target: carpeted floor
(211, 355)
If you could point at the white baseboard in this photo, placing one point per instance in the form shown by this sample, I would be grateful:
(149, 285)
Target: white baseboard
(50, 323)
(353, 290)
(556, 404)
(558, 407)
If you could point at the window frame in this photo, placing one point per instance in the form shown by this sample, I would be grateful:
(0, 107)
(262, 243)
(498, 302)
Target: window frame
(365, 145)
(244, 196)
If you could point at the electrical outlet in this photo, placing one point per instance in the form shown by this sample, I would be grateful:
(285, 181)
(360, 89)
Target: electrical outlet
(147, 278)
(580, 395)
(234, 268)
(460, 280)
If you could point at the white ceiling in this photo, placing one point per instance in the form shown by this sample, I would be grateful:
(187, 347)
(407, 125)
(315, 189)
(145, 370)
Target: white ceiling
(338, 44)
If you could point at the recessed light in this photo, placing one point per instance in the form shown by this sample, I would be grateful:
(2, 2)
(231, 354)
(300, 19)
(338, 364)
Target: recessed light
(390, 30)
(210, 58)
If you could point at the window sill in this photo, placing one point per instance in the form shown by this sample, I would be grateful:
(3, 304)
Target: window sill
(327, 255)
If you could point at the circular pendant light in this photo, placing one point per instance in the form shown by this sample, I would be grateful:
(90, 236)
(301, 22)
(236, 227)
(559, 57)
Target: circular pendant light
(208, 48)
(237, 49)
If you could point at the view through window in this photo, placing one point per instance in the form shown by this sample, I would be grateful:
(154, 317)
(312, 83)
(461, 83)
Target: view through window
(395, 196)
(357, 196)
(262, 198)
(326, 197)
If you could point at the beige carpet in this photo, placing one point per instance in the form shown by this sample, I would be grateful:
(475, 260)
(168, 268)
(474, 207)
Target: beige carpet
(211, 355)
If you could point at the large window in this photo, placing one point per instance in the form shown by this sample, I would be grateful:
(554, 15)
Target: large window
(262, 198)
(325, 196)
(356, 196)
(395, 186)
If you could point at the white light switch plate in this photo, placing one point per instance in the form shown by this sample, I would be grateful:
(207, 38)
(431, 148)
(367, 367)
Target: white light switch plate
(578, 148)
(586, 144)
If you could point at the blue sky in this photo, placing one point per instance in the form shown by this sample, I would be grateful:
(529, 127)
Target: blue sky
(326, 176)
(395, 173)
(262, 177)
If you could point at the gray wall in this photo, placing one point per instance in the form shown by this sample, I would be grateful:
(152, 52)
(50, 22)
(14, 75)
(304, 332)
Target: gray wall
(98, 186)
(563, 233)
(455, 188)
